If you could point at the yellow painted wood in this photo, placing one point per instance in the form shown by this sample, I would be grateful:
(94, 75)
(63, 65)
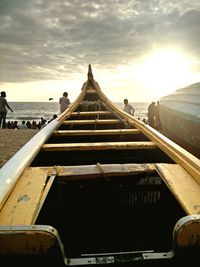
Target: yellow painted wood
(175, 152)
(82, 122)
(98, 146)
(185, 189)
(45, 193)
(86, 113)
(189, 162)
(96, 132)
(22, 204)
(181, 156)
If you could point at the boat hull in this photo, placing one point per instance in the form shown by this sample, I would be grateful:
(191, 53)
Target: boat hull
(98, 186)
(181, 130)
(180, 117)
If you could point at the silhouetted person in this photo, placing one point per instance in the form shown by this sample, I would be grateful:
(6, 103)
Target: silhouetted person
(15, 125)
(151, 113)
(128, 107)
(3, 109)
(28, 124)
(43, 123)
(53, 118)
(64, 102)
(157, 123)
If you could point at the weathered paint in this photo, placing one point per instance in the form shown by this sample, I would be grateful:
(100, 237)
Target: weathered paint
(187, 231)
(32, 240)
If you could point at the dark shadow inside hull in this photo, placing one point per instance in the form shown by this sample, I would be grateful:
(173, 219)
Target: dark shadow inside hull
(103, 157)
(117, 214)
(97, 138)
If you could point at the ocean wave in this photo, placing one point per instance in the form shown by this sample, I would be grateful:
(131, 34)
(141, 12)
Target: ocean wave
(35, 110)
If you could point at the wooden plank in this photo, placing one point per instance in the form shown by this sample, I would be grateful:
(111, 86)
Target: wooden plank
(24, 204)
(96, 132)
(185, 189)
(86, 113)
(45, 193)
(99, 146)
(21, 206)
(181, 156)
(82, 122)
(13, 168)
(101, 170)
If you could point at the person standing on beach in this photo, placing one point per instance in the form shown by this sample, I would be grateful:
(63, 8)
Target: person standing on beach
(151, 113)
(157, 123)
(64, 102)
(3, 109)
(128, 107)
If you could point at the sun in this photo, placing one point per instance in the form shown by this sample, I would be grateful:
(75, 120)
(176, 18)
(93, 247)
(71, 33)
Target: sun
(164, 71)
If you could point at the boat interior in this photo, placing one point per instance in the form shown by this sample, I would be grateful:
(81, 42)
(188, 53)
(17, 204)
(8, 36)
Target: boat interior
(102, 191)
(112, 211)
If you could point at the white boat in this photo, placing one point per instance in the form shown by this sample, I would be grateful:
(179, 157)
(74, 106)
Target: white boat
(180, 117)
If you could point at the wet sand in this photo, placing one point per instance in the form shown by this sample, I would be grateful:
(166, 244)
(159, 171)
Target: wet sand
(12, 140)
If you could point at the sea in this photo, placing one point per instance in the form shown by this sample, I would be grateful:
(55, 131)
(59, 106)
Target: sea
(34, 111)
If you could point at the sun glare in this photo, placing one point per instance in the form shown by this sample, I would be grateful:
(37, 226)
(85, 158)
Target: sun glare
(148, 79)
(164, 71)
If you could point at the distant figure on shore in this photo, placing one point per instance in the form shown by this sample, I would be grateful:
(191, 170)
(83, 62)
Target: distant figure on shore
(128, 107)
(43, 123)
(53, 118)
(157, 123)
(3, 109)
(64, 102)
(151, 113)
(15, 125)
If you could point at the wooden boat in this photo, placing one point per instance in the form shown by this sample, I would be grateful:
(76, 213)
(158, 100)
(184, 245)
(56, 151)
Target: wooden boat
(98, 186)
(180, 117)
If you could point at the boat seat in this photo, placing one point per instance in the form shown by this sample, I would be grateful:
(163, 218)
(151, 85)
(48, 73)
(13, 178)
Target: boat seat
(23, 206)
(99, 146)
(184, 188)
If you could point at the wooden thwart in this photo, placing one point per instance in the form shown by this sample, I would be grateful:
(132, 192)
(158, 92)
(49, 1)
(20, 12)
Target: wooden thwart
(185, 189)
(96, 132)
(174, 151)
(95, 171)
(23, 206)
(86, 113)
(82, 122)
(98, 146)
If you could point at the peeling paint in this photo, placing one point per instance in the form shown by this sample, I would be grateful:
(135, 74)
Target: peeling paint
(23, 198)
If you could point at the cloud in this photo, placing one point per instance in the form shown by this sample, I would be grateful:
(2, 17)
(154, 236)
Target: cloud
(47, 39)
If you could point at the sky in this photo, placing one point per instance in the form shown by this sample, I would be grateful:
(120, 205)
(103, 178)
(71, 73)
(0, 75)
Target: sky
(138, 49)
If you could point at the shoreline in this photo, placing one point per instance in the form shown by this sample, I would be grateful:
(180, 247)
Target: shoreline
(11, 140)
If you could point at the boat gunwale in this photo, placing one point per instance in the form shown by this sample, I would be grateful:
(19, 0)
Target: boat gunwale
(11, 171)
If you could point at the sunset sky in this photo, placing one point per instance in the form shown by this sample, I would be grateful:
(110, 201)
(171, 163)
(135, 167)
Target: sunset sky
(138, 49)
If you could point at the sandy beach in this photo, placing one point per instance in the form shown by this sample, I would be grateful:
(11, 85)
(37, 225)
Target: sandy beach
(12, 140)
